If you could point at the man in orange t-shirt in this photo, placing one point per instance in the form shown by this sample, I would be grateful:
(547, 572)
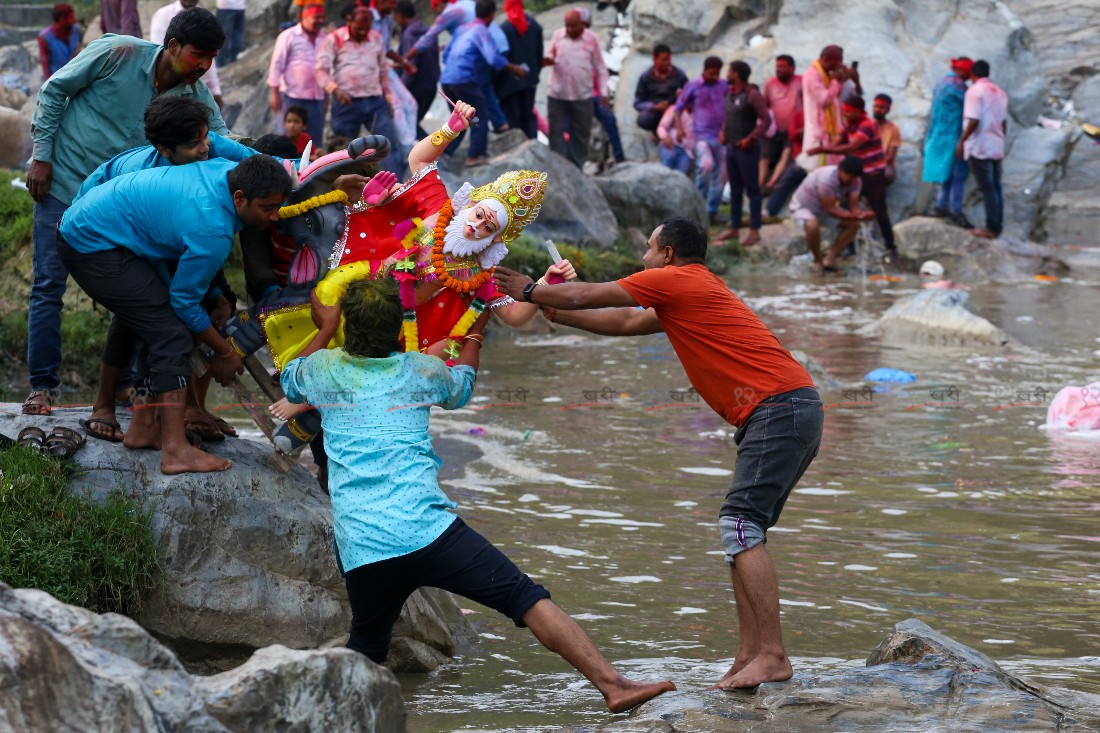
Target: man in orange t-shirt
(741, 370)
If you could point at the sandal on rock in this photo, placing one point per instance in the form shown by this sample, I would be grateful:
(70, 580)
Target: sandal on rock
(90, 428)
(63, 443)
(31, 437)
(39, 402)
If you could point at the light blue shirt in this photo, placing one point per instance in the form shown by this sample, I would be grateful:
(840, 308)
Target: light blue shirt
(146, 157)
(93, 108)
(383, 472)
(179, 212)
(471, 56)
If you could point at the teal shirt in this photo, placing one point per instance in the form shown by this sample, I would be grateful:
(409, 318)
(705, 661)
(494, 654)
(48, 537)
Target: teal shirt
(179, 212)
(94, 108)
(140, 159)
(383, 472)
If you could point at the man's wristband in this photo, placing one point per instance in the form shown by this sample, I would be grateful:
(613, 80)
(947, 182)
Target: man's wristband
(528, 290)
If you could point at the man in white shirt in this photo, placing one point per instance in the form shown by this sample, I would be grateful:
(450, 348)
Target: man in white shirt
(231, 16)
(985, 121)
(158, 26)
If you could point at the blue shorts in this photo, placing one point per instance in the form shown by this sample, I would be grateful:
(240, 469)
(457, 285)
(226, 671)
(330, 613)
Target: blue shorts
(774, 448)
(460, 561)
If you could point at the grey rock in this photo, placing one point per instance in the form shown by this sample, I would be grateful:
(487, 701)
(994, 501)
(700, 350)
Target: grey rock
(17, 59)
(66, 668)
(685, 25)
(505, 142)
(574, 211)
(12, 98)
(968, 258)
(643, 194)
(246, 555)
(245, 93)
(1031, 169)
(917, 680)
(936, 318)
(15, 129)
(782, 241)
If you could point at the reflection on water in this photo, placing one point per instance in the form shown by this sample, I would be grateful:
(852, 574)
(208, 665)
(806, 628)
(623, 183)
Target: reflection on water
(604, 485)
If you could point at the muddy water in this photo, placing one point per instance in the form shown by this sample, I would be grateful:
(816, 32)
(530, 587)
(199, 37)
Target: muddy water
(603, 482)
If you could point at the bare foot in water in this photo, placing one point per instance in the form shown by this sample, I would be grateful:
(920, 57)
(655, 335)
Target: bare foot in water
(189, 459)
(741, 661)
(630, 694)
(765, 668)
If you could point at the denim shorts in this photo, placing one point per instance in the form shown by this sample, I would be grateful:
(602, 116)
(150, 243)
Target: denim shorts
(774, 448)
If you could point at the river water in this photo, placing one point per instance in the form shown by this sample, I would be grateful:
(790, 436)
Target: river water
(584, 461)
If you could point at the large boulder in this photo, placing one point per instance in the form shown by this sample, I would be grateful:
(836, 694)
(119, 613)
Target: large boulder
(917, 680)
(16, 129)
(246, 555)
(686, 25)
(574, 210)
(642, 194)
(936, 318)
(1073, 213)
(1031, 169)
(66, 668)
(968, 258)
(245, 93)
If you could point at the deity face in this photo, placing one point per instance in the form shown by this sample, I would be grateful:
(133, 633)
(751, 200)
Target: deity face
(190, 151)
(481, 223)
(258, 212)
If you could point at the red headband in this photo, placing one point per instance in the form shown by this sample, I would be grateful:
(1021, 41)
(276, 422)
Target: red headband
(313, 9)
(962, 64)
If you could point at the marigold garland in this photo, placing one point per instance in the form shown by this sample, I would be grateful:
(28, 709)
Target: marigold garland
(332, 197)
(439, 263)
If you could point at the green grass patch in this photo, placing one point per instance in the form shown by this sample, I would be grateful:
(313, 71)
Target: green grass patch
(99, 556)
(83, 335)
(16, 215)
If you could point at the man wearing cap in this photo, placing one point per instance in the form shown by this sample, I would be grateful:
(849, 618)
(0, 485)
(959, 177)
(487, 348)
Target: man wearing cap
(940, 163)
(292, 75)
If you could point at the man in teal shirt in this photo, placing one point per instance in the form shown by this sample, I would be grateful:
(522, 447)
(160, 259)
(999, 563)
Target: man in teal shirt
(114, 238)
(90, 110)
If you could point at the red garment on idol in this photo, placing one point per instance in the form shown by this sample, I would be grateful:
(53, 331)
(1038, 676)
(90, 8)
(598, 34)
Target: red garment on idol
(370, 233)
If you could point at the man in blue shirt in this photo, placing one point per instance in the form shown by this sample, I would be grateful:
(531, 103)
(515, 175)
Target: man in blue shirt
(90, 110)
(112, 241)
(471, 60)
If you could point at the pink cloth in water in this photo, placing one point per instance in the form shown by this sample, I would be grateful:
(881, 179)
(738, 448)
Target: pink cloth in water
(1075, 408)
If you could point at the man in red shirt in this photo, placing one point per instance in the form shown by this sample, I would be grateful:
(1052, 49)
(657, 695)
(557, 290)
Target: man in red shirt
(741, 370)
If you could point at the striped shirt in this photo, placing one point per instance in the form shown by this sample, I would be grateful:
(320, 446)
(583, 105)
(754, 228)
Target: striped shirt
(870, 149)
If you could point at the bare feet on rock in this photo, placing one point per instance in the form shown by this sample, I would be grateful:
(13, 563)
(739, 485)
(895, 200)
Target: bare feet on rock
(189, 459)
(752, 238)
(984, 234)
(630, 694)
(764, 668)
(726, 236)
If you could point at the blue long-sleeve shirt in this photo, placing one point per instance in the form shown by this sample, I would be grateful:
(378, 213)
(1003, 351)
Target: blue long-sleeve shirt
(472, 56)
(94, 108)
(146, 157)
(451, 19)
(182, 212)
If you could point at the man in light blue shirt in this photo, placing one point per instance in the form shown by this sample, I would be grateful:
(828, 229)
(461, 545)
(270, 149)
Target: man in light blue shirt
(89, 111)
(394, 527)
(112, 241)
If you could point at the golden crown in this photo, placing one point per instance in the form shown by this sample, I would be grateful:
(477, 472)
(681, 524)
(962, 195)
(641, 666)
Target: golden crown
(521, 192)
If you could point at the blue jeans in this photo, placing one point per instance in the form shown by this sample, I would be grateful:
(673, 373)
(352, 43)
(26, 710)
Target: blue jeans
(479, 134)
(44, 311)
(987, 174)
(743, 167)
(951, 190)
(315, 108)
(792, 177)
(710, 184)
(233, 24)
(611, 127)
(675, 158)
(492, 106)
(374, 113)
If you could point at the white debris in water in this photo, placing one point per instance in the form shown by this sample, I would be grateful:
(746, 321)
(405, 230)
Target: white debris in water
(998, 641)
(859, 567)
(689, 610)
(686, 503)
(826, 562)
(819, 491)
(927, 490)
(900, 555)
(1024, 319)
(868, 606)
(502, 657)
(976, 495)
(552, 399)
(635, 579)
(895, 512)
(1010, 580)
(528, 497)
(617, 603)
(562, 551)
(785, 529)
(589, 617)
(555, 515)
(947, 494)
(625, 523)
(785, 602)
(593, 513)
(706, 470)
(481, 398)
(492, 637)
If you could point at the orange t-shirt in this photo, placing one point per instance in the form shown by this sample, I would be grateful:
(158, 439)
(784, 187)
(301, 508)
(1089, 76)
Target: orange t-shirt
(731, 358)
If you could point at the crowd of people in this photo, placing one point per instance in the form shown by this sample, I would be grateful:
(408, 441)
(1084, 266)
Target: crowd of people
(143, 208)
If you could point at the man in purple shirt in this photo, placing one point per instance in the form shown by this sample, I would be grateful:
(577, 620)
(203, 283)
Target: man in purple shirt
(292, 75)
(705, 97)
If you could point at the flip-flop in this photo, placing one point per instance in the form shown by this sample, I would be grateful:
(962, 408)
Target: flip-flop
(110, 438)
(63, 443)
(31, 437)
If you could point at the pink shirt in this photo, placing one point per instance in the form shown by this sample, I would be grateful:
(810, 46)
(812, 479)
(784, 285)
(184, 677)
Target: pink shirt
(988, 104)
(293, 67)
(816, 94)
(782, 99)
(356, 67)
(577, 64)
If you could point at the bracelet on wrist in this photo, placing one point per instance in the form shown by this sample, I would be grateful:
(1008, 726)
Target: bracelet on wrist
(443, 135)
